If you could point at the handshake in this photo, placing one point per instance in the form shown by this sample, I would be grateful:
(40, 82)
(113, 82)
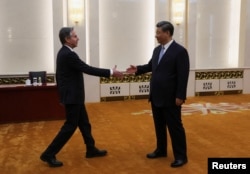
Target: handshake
(131, 70)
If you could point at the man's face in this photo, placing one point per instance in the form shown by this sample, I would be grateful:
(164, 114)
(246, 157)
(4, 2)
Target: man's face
(161, 36)
(72, 41)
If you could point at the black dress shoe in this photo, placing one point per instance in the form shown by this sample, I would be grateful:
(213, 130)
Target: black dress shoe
(95, 153)
(178, 163)
(52, 161)
(156, 154)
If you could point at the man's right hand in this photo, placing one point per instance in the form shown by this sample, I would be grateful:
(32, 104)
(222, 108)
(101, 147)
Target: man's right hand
(132, 69)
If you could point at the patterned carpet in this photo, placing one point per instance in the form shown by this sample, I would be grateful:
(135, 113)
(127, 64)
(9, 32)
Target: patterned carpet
(216, 126)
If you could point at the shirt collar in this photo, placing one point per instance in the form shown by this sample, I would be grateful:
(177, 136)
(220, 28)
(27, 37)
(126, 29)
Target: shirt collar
(69, 47)
(167, 44)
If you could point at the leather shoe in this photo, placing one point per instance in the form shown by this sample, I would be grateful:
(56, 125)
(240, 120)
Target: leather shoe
(52, 161)
(178, 163)
(156, 154)
(95, 153)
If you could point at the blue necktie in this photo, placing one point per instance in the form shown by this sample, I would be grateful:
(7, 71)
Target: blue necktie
(161, 54)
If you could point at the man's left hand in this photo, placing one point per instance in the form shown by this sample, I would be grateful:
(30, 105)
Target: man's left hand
(179, 101)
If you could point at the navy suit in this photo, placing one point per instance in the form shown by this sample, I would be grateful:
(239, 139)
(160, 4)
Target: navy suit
(70, 83)
(69, 76)
(168, 82)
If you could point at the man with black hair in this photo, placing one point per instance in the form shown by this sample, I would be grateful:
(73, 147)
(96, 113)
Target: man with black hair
(168, 85)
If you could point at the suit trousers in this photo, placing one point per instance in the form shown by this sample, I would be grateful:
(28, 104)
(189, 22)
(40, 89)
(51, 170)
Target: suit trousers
(76, 116)
(170, 118)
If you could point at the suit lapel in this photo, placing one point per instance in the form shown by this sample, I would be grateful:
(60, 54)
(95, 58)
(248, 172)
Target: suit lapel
(167, 52)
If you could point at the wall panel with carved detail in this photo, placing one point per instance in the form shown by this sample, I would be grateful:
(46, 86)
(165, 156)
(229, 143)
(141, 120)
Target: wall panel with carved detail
(130, 87)
(219, 82)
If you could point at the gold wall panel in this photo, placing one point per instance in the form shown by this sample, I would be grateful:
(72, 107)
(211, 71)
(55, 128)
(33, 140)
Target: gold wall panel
(208, 75)
(217, 93)
(20, 79)
(219, 75)
(128, 78)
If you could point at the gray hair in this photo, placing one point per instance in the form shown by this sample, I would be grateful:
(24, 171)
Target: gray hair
(64, 33)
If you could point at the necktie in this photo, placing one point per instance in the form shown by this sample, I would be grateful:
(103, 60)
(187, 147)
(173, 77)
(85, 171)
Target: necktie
(161, 54)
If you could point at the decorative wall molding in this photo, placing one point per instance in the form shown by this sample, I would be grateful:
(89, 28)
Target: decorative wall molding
(207, 83)
(219, 82)
(138, 86)
(128, 78)
(131, 87)
(20, 79)
(203, 75)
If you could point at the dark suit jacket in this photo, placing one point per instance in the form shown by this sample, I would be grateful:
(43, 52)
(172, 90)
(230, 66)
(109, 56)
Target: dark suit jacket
(69, 77)
(169, 77)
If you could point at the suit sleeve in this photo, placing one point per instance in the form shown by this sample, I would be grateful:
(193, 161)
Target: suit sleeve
(182, 74)
(78, 65)
(141, 69)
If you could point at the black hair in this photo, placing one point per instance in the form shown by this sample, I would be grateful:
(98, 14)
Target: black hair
(166, 26)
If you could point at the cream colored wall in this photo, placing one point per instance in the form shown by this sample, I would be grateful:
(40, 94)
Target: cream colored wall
(106, 27)
(246, 62)
(26, 37)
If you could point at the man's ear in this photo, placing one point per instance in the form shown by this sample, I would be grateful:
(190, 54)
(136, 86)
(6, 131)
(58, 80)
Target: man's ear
(67, 39)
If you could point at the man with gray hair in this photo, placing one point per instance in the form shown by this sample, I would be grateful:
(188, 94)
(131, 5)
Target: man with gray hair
(70, 84)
